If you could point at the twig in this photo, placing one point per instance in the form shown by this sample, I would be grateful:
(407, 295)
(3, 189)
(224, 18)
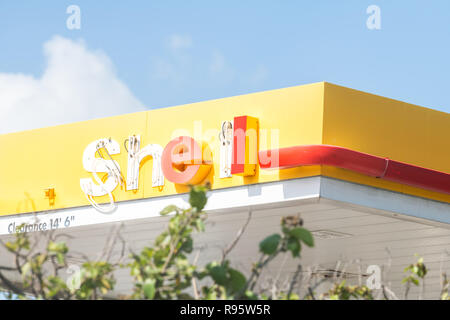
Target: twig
(444, 284)
(193, 280)
(257, 273)
(10, 285)
(7, 268)
(311, 293)
(230, 247)
(408, 285)
(294, 281)
(384, 292)
(122, 252)
(311, 289)
(194, 287)
(172, 254)
(390, 292)
(111, 241)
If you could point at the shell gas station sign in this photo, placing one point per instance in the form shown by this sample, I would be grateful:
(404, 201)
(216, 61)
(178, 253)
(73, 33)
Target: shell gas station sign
(183, 161)
(297, 132)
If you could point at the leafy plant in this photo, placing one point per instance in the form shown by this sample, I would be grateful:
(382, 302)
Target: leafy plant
(39, 269)
(416, 271)
(341, 291)
(163, 271)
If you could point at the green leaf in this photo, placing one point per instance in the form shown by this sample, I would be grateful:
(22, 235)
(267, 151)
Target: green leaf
(219, 275)
(60, 258)
(294, 246)
(197, 197)
(40, 259)
(105, 283)
(26, 268)
(303, 235)
(57, 247)
(237, 280)
(270, 244)
(293, 296)
(168, 210)
(149, 288)
(184, 296)
(187, 246)
(200, 225)
(11, 246)
(250, 295)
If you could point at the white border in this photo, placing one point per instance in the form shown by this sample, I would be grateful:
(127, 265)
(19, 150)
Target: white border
(273, 194)
(235, 198)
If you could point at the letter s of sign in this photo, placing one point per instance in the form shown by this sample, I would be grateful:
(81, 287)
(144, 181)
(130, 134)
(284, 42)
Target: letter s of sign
(95, 165)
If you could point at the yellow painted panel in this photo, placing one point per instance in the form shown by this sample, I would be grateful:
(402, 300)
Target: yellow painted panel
(387, 128)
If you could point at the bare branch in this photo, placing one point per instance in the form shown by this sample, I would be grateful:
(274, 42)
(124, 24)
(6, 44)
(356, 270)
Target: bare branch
(195, 289)
(111, 241)
(294, 280)
(233, 243)
(11, 286)
(8, 268)
(389, 291)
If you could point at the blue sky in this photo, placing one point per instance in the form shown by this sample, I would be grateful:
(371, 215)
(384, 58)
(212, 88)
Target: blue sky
(175, 52)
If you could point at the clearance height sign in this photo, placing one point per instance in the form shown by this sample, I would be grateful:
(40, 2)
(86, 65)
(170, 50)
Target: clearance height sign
(158, 152)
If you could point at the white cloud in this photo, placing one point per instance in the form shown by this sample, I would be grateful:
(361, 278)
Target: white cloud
(183, 64)
(259, 76)
(177, 41)
(219, 70)
(164, 70)
(175, 66)
(218, 63)
(77, 84)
